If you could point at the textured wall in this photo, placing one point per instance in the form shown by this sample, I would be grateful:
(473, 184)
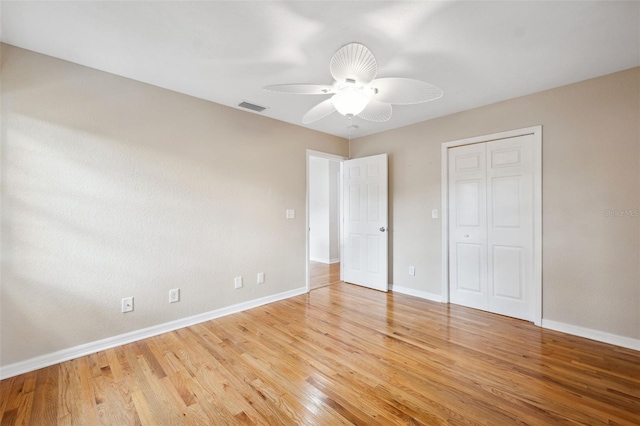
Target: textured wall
(591, 165)
(114, 188)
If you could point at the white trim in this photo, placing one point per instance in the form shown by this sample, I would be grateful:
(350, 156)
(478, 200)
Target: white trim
(330, 157)
(587, 333)
(536, 131)
(334, 157)
(324, 260)
(537, 225)
(133, 336)
(444, 214)
(417, 293)
(341, 217)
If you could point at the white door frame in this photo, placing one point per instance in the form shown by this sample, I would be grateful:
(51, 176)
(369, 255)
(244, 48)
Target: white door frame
(536, 131)
(332, 157)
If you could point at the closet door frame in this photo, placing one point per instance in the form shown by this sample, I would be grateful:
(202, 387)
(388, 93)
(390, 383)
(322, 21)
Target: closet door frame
(536, 131)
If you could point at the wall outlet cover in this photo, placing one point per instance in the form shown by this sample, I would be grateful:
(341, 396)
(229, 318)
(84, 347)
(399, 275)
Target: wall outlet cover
(127, 304)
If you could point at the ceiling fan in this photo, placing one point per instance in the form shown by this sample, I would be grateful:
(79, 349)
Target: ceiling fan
(356, 90)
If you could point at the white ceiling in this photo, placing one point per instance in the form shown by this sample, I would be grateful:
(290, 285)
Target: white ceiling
(478, 52)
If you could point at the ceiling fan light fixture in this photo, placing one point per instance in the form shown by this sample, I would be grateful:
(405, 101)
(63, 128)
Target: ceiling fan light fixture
(357, 92)
(350, 101)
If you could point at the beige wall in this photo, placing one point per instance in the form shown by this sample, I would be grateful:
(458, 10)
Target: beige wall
(114, 188)
(591, 163)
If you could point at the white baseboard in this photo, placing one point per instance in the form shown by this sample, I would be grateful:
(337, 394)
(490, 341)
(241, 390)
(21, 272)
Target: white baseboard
(599, 336)
(324, 260)
(417, 293)
(122, 339)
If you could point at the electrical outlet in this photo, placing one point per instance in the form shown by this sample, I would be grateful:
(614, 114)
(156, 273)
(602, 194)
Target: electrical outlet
(127, 304)
(174, 295)
(260, 277)
(412, 270)
(238, 282)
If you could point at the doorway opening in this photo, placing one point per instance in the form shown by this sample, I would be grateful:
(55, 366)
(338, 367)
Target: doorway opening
(324, 213)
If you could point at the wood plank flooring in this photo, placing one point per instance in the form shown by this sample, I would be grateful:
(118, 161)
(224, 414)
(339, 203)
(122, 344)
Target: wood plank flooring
(341, 354)
(322, 274)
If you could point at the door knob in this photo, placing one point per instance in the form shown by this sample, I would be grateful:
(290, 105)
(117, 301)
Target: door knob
(382, 229)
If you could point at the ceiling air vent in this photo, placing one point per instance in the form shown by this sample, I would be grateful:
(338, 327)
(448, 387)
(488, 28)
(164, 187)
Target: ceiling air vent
(252, 107)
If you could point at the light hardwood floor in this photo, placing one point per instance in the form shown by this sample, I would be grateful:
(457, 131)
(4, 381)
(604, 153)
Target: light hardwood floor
(322, 274)
(341, 354)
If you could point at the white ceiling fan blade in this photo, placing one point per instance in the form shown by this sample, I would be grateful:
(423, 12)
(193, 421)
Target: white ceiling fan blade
(376, 111)
(301, 89)
(319, 111)
(404, 91)
(354, 62)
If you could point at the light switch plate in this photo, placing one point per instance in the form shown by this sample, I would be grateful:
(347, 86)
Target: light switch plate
(291, 214)
(434, 214)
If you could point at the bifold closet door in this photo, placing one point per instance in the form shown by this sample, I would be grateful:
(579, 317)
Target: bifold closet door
(468, 225)
(491, 226)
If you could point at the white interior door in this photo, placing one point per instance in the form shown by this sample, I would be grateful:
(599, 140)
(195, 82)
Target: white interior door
(491, 226)
(510, 226)
(468, 225)
(365, 222)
